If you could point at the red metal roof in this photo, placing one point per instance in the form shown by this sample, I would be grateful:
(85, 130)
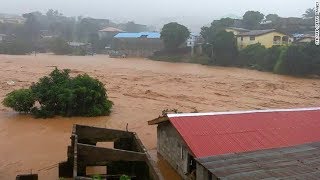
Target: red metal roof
(222, 133)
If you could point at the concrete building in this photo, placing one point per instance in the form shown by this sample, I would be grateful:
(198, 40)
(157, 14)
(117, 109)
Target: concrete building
(266, 37)
(233, 145)
(142, 44)
(109, 32)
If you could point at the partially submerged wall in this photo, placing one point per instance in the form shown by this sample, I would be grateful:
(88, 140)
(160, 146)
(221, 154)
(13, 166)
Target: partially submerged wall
(128, 156)
(173, 149)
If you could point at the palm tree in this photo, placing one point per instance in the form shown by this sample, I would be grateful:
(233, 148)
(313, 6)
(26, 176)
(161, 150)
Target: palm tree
(310, 13)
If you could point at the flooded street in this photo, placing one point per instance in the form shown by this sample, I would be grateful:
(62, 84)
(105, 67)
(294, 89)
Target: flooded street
(140, 90)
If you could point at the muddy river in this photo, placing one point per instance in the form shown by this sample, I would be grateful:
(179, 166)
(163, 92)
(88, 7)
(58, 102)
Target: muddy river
(140, 90)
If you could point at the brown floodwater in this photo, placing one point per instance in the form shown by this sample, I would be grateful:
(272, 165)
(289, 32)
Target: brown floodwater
(140, 90)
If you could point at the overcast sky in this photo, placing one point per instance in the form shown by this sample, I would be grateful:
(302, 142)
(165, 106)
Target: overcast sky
(145, 11)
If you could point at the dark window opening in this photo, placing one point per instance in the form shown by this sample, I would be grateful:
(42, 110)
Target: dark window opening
(252, 38)
(192, 166)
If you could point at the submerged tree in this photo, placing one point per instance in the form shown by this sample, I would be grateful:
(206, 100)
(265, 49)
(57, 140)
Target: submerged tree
(60, 94)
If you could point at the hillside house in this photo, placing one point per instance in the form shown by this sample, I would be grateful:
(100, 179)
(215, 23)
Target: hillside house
(268, 38)
(304, 38)
(142, 44)
(109, 32)
(242, 144)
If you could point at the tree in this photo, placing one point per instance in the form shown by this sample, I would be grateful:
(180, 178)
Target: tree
(222, 23)
(32, 27)
(60, 94)
(224, 49)
(310, 13)
(272, 17)
(21, 100)
(173, 35)
(252, 19)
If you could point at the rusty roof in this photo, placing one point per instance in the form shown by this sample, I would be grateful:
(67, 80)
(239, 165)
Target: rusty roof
(297, 162)
(209, 134)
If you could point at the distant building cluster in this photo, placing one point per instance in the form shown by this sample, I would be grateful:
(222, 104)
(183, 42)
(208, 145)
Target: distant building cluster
(267, 37)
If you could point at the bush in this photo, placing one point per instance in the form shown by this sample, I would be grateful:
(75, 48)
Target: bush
(270, 59)
(59, 94)
(21, 100)
(258, 57)
(251, 55)
(294, 61)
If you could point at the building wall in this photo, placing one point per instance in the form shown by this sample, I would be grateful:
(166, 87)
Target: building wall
(265, 39)
(137, 47)
(103, 34)
(171, 146)
(306, 40)
(204, 174)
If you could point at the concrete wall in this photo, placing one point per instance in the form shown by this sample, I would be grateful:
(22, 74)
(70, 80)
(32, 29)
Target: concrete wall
(203, 173)
(169, 146)
(266, 40)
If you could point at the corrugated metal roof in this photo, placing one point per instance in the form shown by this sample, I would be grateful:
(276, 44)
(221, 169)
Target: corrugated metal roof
(238, 29)
(154, 35)
(256, 32)
(219, 133)
(297, 162)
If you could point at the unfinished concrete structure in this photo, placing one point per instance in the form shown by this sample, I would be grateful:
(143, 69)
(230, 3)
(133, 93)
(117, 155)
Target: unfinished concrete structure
(128, 157)
(206, 146)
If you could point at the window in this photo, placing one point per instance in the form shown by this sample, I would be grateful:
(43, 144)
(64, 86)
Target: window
(241, 38)
(277, 40)
(181, 152)
(252, 38)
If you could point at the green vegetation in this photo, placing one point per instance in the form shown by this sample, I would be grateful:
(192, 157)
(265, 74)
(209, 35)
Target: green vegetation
(252, 19)
(174, 35)
(60, 94)
(21, 100)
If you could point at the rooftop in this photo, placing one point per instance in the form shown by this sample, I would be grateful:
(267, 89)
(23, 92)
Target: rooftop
(297, 162)
(238, 29)
(152, 35)
(217, 133)
(256, 32)
(111, 29)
